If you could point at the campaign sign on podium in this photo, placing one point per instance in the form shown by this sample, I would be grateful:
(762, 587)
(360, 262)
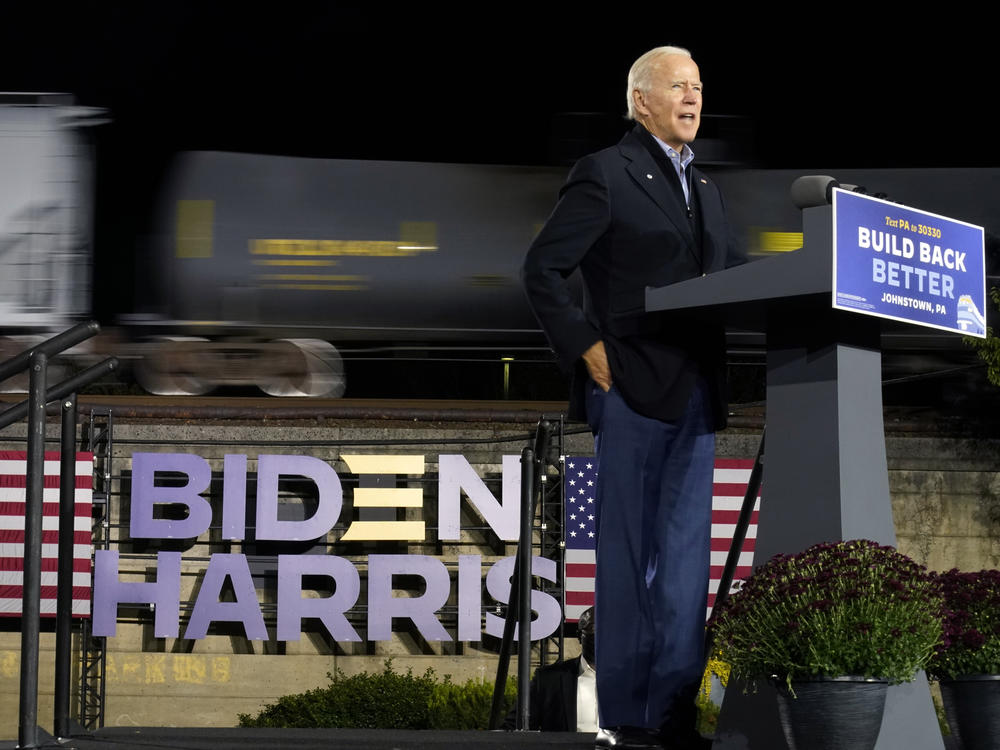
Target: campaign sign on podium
(910, 265)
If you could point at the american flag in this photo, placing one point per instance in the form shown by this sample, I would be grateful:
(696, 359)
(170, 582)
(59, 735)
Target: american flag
(730, 484)
(13, 480)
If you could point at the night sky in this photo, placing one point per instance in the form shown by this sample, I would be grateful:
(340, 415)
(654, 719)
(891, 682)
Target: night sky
(489, 82)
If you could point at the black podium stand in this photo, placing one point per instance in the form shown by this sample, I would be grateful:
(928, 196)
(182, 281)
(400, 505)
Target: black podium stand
(825, 473)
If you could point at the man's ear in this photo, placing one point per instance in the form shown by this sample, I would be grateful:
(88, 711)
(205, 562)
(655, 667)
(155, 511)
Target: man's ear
(639, 101)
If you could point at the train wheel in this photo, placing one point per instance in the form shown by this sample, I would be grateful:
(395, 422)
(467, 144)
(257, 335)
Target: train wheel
(162, 372)
(315, 368)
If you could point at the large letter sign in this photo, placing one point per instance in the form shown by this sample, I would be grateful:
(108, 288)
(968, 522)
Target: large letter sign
(173, 479)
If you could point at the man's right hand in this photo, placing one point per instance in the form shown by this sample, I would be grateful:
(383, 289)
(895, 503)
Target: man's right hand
(596, 360)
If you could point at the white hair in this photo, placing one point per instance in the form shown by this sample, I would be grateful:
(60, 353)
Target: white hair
(642, 70)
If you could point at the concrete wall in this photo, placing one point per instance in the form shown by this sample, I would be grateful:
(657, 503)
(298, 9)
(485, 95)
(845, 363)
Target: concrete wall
(946, 500)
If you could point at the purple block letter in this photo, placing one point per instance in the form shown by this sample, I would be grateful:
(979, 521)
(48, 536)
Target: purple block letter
(470, 598)
(292, 608)
(208, 608)
(145, 496)
(331, 497)
(234, 496)
(548, 609)
(383, 606)
(164, 593)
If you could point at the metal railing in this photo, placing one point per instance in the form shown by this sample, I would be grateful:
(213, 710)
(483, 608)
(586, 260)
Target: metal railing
(35, 360)
(93, 649)
(534, 461)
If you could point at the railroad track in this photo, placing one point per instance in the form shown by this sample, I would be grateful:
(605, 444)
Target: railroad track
(898, 419)
(272, 408)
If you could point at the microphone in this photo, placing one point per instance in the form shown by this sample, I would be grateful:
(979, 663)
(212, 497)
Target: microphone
(813, 190)
(817, 190)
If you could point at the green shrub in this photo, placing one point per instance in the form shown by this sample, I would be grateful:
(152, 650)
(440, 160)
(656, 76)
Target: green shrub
(386, 700)
(467, 706)
(971, 642)
(988, 349)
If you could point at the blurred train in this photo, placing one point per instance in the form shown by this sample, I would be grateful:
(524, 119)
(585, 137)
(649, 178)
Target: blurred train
(270, 270)
(46, 211)
(299, 257)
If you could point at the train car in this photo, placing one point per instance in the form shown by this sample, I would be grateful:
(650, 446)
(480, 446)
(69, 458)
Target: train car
(46, 221)
(268, 264)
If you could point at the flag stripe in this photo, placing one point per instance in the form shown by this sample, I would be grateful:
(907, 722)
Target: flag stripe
(12, 607)
(50, 481)
(732, 503)
(730, 489)
(719, 558)
(49, 564)
(80, 523)
(722, 544)
(8, 509)
(720, 515)
(16, 536)
(48, 592)
(579, 583)
(53, 456)
(743, 464)
(12, 550)
(741, 571)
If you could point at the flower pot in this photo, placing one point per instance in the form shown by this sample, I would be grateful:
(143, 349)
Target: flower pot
(839, 713)
(972, 705)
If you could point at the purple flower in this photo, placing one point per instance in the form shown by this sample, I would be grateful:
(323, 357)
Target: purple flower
(846, 605)
(973, 638)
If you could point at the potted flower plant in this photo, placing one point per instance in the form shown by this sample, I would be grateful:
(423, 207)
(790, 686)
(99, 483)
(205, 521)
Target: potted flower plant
(838, 621)
(967, 661)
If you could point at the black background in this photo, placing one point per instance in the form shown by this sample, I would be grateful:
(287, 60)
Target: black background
(823, 86)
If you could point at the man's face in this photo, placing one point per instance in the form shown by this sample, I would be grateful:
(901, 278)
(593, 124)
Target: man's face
(671, 108)
(585, 632)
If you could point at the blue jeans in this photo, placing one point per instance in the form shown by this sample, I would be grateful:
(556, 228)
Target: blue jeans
(654, 505)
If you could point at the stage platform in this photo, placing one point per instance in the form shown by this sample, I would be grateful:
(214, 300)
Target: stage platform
(169, 738)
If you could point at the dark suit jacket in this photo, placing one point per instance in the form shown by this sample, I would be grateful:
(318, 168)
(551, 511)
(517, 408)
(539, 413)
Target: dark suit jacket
(552, 702)
(625, 227)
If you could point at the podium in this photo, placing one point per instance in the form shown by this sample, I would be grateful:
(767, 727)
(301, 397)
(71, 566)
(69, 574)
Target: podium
(825, 472)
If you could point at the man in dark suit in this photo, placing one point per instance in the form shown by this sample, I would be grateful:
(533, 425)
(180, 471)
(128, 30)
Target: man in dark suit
(563, 694)
(652, 387)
